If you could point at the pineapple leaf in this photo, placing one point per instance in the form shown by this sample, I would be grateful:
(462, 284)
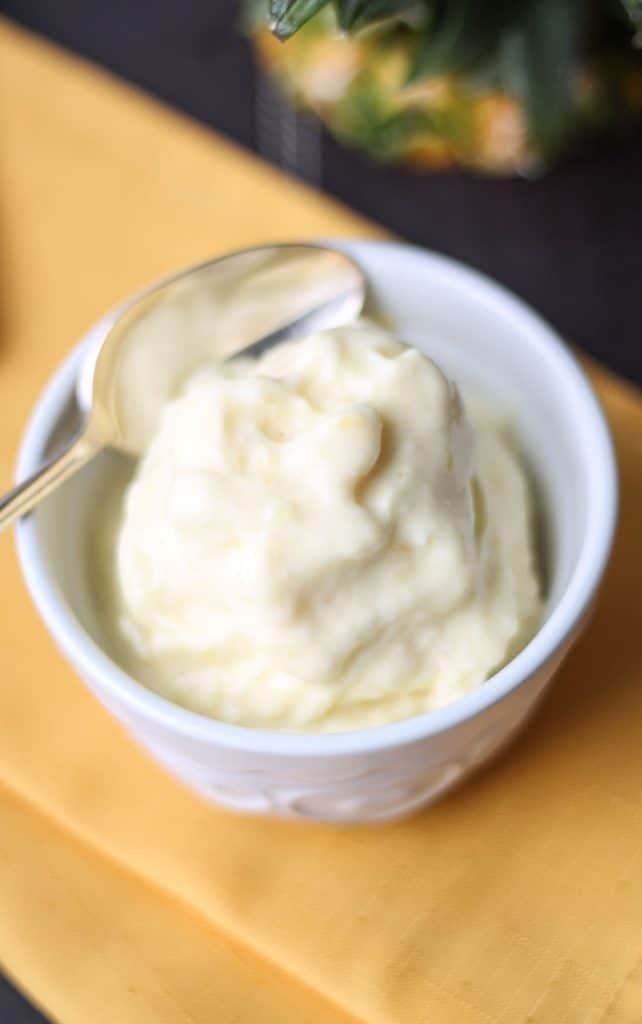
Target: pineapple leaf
(357, 14)
(288, 16)
(634, 10)
(462, 36)
(536, 63)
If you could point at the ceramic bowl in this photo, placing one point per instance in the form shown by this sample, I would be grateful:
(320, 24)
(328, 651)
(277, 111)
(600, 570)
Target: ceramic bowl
(493, 345)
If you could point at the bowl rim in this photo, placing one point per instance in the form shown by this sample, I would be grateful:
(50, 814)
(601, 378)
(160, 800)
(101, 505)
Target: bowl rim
(86, 655)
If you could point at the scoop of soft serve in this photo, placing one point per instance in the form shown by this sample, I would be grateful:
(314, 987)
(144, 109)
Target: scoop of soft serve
(319, 540)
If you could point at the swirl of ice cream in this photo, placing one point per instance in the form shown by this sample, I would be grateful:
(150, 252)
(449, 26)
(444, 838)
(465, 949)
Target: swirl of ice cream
(319, 540)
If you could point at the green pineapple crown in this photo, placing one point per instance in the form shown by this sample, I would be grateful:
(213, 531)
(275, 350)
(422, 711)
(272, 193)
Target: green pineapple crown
(459, 17)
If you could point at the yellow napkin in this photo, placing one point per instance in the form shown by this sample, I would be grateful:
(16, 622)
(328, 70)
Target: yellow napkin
(126, 900)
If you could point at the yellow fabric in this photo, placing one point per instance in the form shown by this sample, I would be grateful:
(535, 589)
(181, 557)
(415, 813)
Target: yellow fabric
(126, 900)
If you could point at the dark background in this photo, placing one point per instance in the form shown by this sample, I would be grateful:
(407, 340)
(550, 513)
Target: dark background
(570, 242)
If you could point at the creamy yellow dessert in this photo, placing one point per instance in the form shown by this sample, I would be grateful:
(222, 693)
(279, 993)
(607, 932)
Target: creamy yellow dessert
(320, 540)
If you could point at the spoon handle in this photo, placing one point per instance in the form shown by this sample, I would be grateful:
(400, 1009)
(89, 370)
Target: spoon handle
(26, 495)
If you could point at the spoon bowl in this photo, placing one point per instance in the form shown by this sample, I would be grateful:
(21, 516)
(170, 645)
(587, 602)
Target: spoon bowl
(237, 304)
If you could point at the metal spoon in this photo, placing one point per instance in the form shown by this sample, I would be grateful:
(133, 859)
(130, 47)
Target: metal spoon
(238, 304)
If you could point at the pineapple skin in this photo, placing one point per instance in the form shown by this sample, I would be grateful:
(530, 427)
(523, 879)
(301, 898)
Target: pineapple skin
(357, 85)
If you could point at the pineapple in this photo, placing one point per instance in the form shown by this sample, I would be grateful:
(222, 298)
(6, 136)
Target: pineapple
(503, 87)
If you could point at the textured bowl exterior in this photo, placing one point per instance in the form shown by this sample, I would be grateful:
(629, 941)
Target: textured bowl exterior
(377, 785)
(366, 776)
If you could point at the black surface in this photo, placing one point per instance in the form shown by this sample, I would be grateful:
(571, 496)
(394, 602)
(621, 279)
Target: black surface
(570, 243)
(14, 1008)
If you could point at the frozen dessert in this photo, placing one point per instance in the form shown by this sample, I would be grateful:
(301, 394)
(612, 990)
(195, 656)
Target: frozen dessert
(321, 540)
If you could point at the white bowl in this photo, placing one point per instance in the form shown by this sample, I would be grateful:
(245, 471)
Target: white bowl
(485, 338)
